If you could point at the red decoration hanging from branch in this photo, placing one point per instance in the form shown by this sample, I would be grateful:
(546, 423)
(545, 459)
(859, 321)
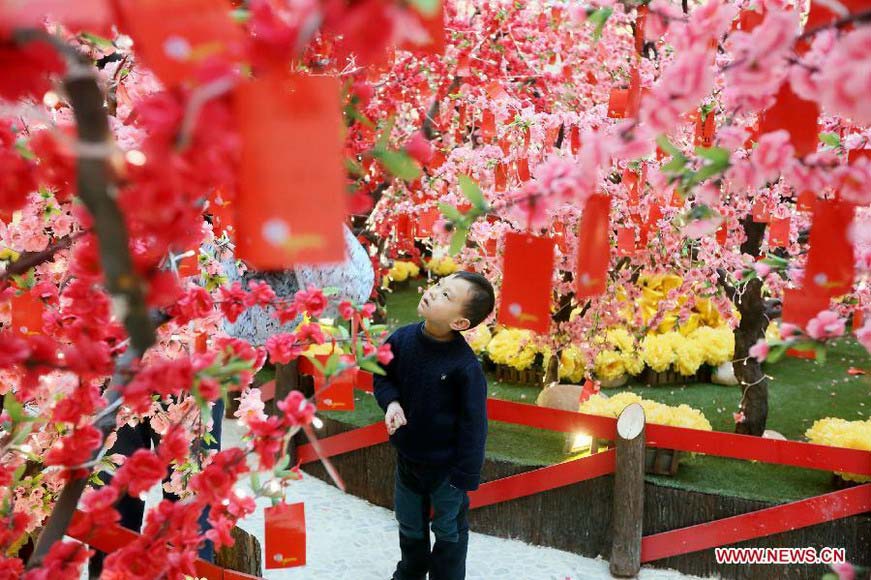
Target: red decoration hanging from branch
(593, 251)
(291, 202)
(527, 286)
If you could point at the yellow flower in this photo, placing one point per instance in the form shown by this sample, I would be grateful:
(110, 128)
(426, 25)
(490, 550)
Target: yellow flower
(513, 347)
(718, 344)
(657, 352)
(403, 270)
(657, 413)
(443, 266)
(633, 363)
(609, 365)
(842, 433)
(478, 338)
(690, 357)
(621, 339)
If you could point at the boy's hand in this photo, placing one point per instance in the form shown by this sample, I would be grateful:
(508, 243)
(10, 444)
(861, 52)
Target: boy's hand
(394, 417)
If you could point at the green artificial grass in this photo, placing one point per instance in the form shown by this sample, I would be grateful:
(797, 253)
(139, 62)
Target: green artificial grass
(800, 392)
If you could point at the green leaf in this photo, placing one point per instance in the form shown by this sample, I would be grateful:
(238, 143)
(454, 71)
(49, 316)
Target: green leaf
(240, 15)
(399, 164)
(426, 7)
(675, 166)
(831, 139)
(716, 155)
(776, 353)
(367, 364)
(821, 354)
(458, 240)
(384, 138)
(331, 291)
(472, 192)
(332, 364)
(599, 18)
(667, 146)
(450, 212)
(14, 409)
(97, 39)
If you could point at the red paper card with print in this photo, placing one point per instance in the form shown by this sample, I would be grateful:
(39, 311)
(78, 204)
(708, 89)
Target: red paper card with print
(778, 232)
(593, 251)
(796, 116)
(291, 203)
(175, 37)
(806, 201)
(625, 241)
(284, 536)
(830, 261)
(339, 396)
(488, 125)
(760, 212)
(722, 234)
(617, 103)
(527, 283)
(434, 27)
(523, 169)
(27, 312)
(81, 15)
(799, 306)
(425, 223)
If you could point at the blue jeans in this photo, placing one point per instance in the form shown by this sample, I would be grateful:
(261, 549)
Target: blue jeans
(424, 497)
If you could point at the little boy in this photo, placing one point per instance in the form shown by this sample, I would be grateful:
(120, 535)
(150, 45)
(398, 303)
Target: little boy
(435, 400)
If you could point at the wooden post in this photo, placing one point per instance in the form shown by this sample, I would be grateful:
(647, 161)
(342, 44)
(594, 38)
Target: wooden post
(628, 493)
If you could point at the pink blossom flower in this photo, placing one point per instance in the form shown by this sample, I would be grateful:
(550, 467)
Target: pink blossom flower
(826, 324)
(759, 351)
(863, 335)
(845, 79)
(773, 154)
(738, 417)
(844, 570)
(762, 269)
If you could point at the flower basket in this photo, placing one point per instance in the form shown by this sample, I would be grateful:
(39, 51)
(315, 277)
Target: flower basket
(671, 377)
(533, 376)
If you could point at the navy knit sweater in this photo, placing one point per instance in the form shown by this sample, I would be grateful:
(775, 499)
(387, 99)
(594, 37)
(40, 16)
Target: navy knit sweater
(442, 390)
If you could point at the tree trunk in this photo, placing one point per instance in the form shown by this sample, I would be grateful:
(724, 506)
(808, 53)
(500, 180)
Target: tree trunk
(628, 493)
(243, 556)
(748, 371)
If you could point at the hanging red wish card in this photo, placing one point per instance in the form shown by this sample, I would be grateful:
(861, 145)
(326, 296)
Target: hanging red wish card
(705, 130)
(425, 223)
(830, 262)
(432, 25)
(291, 203)
(778, 232)
(284, 536)
(800, 306)
(501, 176)
(575, 139)
(27, 312)
(806, 200)
(593, 251)
(722, 234)
(488, 125)
(527, 283)
(339, 394)
(760, 212)
(796, 116)
(625, 241)
(617, 103)
(175, 37)
(83, 15)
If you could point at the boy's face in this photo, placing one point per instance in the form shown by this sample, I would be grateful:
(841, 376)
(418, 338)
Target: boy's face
(444, 303)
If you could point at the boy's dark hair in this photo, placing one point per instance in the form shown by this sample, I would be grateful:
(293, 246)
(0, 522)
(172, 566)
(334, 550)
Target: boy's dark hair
(481, 299)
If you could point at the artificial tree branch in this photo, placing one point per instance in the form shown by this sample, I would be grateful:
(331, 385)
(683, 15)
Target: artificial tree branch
(856, 18)
(97, 191)
(29, 260)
